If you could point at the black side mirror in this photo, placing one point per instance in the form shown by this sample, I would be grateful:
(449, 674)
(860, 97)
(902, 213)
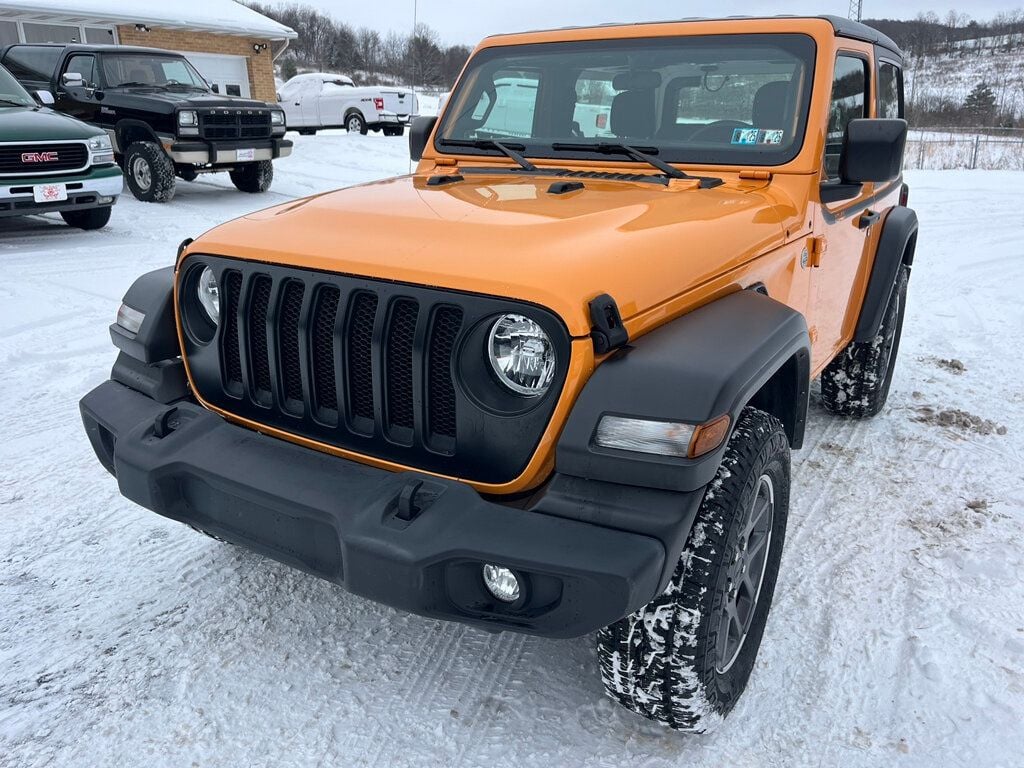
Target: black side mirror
(873, 150)
(419, 133)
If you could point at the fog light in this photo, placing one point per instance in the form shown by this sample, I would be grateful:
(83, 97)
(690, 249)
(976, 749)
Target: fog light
(501, 583)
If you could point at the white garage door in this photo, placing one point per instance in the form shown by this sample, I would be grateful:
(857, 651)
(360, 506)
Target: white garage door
(225, 74)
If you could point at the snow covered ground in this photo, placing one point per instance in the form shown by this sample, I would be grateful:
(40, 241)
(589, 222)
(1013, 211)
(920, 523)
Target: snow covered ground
(897, 636)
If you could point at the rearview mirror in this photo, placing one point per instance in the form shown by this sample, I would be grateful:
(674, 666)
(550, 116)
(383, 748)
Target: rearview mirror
(419, 133)
(873, 150)
(72, 79)
(45, 98)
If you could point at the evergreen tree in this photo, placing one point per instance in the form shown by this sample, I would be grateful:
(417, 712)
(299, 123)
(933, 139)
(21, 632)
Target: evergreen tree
(980, 105)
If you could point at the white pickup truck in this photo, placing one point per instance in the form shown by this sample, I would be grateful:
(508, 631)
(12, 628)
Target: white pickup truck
(316, 100)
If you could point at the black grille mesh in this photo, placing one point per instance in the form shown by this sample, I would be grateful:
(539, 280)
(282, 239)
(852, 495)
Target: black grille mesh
(360, 354)
(258, 351)
(440, 390)
(291, 371)
(229, 311)
(325, 385)
(35, 159)
(401, 334)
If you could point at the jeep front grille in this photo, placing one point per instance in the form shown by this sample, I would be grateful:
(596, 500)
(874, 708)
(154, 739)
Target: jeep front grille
(368, 366)
(233, 125)
(43, 159)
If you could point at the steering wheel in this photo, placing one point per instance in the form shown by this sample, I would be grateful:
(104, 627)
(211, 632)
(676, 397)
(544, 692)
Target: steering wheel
(718, 125)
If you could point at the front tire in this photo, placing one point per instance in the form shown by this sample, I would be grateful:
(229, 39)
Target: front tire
(856, 383)
(149, 172)
(684, 659)
(254, 177)
(356, 123)
(91, 218)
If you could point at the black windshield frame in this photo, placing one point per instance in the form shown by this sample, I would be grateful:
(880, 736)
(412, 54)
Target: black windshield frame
(801, 46)
(110, 57)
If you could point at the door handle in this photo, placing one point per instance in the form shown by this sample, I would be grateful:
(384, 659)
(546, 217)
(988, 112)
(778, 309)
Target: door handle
(868, 218)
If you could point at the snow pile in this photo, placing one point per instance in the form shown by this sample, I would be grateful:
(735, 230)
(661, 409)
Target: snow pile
(896, 639)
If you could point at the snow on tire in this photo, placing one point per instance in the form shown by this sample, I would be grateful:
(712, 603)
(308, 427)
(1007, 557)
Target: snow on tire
(856, 383)
(677, 660)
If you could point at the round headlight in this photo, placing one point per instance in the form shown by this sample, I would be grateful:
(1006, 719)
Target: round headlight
(522, 355)
(209, 295)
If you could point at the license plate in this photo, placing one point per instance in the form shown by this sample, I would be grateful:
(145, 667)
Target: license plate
(49, 193)
(246, 154)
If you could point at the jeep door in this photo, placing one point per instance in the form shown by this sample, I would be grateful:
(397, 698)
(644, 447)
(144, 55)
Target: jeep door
(838, 225)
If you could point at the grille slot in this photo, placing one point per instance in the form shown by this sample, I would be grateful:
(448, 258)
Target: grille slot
(440, 390)
(288, 327)
(399, 350)
(234, 125)
(360, 355)
(232, 354)
(259, 353)
(325, 382)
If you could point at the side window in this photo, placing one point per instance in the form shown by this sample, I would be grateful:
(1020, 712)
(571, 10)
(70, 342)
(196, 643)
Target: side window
(515, 102)
(83, 65)
(849, 102)
(890, 90)
(32, 63)
(592, 111)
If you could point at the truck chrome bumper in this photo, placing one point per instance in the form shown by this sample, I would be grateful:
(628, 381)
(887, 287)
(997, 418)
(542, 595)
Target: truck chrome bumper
(200, 153)
(101, 187)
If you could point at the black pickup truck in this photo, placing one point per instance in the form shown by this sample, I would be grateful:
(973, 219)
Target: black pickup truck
(162, 118)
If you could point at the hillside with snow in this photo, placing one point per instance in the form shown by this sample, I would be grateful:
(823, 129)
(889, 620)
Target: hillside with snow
(940, 77)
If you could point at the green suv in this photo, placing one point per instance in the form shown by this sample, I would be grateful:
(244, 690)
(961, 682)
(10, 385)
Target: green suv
(52, 162)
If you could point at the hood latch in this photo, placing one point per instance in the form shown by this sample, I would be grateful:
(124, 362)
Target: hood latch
(607, 331)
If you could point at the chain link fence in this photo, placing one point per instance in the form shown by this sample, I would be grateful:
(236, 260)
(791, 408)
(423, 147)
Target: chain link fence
(981, 148)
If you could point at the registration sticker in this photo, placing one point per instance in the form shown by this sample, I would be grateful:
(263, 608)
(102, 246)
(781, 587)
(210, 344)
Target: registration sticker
(750, 136)
(49, 193)
(242, 155)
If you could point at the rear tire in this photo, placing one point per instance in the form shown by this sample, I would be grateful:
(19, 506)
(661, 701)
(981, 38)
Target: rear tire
(254, 177)
(149, 172)
(856, 383)
(356, 123)
(91, 218)
(684, 659)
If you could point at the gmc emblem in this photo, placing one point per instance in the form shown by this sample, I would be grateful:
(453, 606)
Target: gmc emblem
(39, 157)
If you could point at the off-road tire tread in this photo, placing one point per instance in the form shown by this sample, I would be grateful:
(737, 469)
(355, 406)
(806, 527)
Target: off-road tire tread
(254, 177)
(660, 660)
(161, 167)
(856, 383)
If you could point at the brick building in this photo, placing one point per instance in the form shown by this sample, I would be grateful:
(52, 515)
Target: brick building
(231, 45)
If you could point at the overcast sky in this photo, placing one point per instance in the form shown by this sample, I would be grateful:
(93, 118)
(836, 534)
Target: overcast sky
(466, 21)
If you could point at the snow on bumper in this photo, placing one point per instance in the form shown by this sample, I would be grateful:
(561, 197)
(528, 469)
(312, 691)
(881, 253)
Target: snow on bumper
(404, 539)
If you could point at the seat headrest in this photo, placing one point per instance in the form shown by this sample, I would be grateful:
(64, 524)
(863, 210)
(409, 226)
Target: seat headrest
(632, 114)
(640, 80)
(770, 107)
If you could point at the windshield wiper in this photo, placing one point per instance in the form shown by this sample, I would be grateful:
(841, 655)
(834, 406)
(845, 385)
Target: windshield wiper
(509, 150)
(14, 103)
(134, 84)
(641, 154)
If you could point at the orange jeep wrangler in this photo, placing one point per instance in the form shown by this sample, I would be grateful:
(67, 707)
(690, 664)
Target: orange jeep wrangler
(563, 399)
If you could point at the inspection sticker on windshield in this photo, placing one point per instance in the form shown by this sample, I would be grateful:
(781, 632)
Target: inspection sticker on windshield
(752, 136)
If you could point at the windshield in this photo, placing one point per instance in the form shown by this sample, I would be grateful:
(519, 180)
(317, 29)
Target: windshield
(721, 99)
(145, 69)
(11, 92)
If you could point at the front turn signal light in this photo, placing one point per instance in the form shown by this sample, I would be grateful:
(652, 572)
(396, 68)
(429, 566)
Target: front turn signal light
(707, 437)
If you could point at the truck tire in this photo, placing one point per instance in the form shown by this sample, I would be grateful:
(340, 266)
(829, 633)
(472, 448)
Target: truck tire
(356, 123)
(254, 177)
(91, 218)
(856, 383)
(684, 658)
(149, 172)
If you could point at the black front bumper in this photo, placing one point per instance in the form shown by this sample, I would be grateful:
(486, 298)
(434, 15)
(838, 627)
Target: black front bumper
(587, 553)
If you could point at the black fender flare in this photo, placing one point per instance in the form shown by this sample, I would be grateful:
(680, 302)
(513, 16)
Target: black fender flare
(123, 125)
(157, 337)
(744, 348)
(895, 248)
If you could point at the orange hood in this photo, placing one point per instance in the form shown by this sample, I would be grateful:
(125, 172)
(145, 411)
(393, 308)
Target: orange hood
(506, 235)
